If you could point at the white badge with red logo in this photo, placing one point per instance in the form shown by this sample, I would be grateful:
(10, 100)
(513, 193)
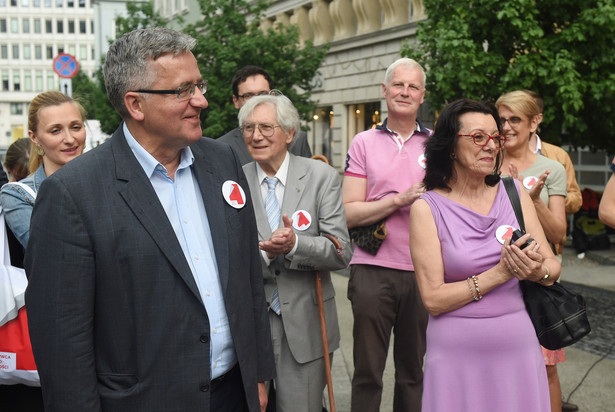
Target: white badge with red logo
(301, 219)
(233, 194)
(423, 161)
(504, 232)
(529, 182)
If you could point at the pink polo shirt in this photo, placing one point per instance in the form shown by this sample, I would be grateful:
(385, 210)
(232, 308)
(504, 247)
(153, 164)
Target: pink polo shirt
(388, 165)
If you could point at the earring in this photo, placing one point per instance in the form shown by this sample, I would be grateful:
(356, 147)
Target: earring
(39, 150)
(452, 156)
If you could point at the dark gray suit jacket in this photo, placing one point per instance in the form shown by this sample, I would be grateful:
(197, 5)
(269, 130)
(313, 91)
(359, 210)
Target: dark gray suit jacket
(115, 316)
(299, 146)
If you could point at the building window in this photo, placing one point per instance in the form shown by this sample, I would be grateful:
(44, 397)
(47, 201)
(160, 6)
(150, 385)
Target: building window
(92, 26)
(36, 3)
(25, 24)
(48, 26)
(14, 26)
(83, 52)
(70, 3)
(2, 25)
(71, 26)
(5, 80)
(27, 81)
(60, 26)
(52, 81)
(2, 3)
(4, 51)
(72, 50)
(38, 52)
(60, 50)
(25, 3)
(38, 81)
(81, 3)
(26, 52)
(16, 51)
(47, 3)
(37, 25)
(17, 109)
(14, 3)
(50, 52)
(59, 3)
(82, 26)
(16, 81)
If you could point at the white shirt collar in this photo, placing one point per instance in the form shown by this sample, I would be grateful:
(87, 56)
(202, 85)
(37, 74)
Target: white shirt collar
(281, 174)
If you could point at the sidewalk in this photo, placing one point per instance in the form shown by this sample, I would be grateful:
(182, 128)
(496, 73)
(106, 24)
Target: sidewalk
(595, 394)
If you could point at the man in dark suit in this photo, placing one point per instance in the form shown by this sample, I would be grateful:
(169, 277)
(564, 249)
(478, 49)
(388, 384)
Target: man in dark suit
(146, 290)
(294, 245)
(248, 82)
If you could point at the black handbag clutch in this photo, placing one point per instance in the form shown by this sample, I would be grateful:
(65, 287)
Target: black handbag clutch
(558, 314)
(370, 237)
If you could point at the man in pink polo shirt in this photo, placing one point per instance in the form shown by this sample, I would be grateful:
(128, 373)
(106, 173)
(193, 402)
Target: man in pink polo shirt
(383, 177)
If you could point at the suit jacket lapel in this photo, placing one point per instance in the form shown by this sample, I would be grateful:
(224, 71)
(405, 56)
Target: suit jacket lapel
(141, 198)
(295, 185)
(264, 231)
(211, 191)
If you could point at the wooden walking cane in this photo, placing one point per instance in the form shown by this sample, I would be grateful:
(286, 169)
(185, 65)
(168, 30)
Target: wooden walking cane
(323, 326)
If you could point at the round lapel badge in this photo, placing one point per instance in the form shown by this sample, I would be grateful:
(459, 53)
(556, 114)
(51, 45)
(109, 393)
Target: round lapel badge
(301, 220)
(504, 232)
(422, 161)
(529, 182)
(234, 194)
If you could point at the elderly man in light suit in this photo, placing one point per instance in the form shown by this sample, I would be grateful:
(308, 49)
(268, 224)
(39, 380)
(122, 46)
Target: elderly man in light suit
(297, 202)
(146, 289)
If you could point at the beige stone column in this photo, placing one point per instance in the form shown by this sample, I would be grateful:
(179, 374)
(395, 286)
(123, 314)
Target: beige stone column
(344, 19)
(396, 12)
(368, 15)
(418, 10)
(321, 22)
(301, 19)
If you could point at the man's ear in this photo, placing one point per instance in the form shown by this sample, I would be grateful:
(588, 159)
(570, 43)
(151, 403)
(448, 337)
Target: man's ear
(134, 104)
(236, 102)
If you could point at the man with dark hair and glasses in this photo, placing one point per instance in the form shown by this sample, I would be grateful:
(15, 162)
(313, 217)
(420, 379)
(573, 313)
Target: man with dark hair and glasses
(248, 82)
(146, 289)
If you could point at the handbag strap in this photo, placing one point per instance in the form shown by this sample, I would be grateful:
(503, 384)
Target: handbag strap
(513, 195)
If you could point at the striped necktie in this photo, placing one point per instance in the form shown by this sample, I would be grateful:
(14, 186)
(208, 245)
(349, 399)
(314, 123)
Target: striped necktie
(272, 208)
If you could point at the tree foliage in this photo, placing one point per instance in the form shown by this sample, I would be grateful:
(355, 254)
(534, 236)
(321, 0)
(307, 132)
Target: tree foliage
(227, 41)
(561, 49)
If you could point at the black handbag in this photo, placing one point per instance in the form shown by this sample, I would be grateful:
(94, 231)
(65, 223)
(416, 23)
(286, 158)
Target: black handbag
(558, 314)
(370, 237)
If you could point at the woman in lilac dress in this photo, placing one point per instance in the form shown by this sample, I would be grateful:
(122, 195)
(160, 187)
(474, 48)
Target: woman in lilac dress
(482, 351)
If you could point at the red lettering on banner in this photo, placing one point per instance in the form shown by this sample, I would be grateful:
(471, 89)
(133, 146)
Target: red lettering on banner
(236, 194)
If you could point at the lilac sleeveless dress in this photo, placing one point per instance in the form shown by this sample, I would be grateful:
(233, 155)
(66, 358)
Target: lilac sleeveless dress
(484, 356)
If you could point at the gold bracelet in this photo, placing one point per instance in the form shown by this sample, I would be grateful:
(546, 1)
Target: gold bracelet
(475, 279)
(469, 280)
(547, 275)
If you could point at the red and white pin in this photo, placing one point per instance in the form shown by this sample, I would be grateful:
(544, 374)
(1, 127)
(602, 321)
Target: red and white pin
(504, 232)
(422, 161)
(529, 182)
(301, 219)
(234, 194)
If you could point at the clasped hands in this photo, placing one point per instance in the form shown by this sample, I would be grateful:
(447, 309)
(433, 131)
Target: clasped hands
(524, 264)
(535, 190)
(282, 239)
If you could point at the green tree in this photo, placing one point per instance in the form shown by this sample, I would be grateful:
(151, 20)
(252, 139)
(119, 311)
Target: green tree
(227, 40)
(561, 49)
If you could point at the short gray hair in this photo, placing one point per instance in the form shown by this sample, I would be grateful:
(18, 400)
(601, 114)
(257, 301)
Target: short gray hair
(127, 65)
(286, 113)
(404, 61)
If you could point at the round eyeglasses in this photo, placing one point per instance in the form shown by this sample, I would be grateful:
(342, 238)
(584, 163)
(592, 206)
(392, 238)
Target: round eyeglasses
(265, 129)
(184, 92)
(481, 139)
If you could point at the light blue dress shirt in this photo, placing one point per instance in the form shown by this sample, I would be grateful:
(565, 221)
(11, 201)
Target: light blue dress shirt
(183, 203)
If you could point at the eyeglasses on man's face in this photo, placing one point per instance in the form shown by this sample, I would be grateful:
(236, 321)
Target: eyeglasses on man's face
(184, 92)
(512, 120)
(272, 92)
(481, 139)
(265, 129)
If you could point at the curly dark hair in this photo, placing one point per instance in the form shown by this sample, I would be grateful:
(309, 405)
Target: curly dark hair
(441, 145)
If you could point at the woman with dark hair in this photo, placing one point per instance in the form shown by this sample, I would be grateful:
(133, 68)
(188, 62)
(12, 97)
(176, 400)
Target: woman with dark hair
(481, 346)
(17, 159)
